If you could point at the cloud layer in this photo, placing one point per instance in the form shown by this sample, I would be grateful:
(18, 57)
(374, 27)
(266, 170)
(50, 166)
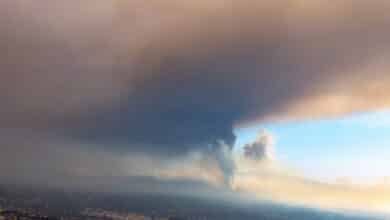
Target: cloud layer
(168, 78)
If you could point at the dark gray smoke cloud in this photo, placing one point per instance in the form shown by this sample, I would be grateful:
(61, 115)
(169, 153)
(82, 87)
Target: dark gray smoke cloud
(167, 78)
(261, 149)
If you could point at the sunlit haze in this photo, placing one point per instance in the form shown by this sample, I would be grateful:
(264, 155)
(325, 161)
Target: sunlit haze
(197, 109)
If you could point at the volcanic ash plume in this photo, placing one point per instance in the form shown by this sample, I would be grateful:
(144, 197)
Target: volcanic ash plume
(261, 149)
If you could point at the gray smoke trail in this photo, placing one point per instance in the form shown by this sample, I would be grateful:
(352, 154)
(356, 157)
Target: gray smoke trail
(224, 157)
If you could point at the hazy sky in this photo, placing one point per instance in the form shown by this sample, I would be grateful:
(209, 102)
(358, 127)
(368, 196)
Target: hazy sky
(355, 147)
(174, 89)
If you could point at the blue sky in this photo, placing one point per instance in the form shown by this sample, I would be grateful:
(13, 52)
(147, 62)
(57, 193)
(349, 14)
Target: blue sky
(356, 146)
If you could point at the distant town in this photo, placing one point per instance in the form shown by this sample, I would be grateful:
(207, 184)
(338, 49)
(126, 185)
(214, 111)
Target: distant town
(88, 214)
(9, 210)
